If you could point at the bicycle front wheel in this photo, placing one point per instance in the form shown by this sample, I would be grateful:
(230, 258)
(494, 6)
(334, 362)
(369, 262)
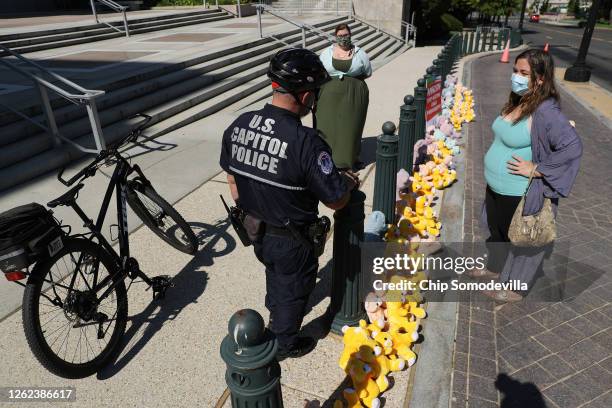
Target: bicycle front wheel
(70, 329)
(161, 217)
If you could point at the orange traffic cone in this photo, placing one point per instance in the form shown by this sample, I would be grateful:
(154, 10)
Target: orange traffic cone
(506, 54)
(546, 47)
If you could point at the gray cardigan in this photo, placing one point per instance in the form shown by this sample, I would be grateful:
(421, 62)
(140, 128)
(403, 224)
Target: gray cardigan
(556, 148)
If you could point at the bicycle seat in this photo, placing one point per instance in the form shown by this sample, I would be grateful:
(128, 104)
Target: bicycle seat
(67, 198)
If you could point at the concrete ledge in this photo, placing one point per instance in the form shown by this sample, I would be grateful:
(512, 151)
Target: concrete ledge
(245, 9)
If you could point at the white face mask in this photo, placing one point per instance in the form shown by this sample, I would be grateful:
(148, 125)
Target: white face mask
(520, 84)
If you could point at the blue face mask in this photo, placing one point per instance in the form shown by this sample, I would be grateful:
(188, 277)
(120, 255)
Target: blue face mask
(520, 84)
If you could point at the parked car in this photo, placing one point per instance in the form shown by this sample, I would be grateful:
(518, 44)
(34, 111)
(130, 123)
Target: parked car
(534, 18)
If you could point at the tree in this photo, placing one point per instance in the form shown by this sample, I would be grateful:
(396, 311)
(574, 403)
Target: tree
(545, 6)
(574, 7)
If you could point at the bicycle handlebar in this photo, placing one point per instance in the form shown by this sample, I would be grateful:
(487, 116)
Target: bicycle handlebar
(91, 169)
(86, 172)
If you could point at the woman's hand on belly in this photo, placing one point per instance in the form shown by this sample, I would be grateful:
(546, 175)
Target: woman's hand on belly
(521, 167)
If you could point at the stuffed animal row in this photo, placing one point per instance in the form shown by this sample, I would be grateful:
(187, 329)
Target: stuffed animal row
(383, 344)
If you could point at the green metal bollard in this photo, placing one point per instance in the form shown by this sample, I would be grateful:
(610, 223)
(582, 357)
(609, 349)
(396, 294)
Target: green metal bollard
(420, 97)
(435, 68)
(492, 40)
(484, 41)
(457, 47)
(471, 45)
(515, 38)
(346, 294)
(407, 136)
(442, 64)
(431, 70)
(386, 172)
(464, 42)
(253, 373)
(499, 40)
(477, 44)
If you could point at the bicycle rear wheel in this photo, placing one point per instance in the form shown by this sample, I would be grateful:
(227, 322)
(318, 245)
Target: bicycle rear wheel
(67, 332)
(161, 217)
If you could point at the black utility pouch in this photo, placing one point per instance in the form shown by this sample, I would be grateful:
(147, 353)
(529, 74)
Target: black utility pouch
(236, 218)
(317, 232)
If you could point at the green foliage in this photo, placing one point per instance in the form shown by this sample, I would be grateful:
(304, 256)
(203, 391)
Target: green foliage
(191, 2)
(451, 23)
(545, 6)
(496, 7)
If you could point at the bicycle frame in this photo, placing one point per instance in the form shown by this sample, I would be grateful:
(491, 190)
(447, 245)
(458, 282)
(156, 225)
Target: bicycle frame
(125, 265)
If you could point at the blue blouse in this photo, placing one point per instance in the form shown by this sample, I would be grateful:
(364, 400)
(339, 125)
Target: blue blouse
(360, 66)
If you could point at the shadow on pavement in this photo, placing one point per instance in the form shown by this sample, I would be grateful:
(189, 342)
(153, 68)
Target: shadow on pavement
(189, 284)
(320, 327)
(518, 394)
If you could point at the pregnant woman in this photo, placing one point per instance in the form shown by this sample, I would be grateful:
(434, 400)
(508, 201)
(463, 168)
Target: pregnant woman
(530, 134)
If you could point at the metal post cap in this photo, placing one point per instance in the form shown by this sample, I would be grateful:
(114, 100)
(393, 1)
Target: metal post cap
(421, 82)
(388, 128)
(248, 344)
(430, 70)
(247, 328)
(408, 100)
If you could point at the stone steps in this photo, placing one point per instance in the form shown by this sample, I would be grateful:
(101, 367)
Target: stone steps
(57, 38)
(173, 95)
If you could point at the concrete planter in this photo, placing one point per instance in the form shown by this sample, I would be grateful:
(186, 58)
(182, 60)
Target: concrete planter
(245, 9)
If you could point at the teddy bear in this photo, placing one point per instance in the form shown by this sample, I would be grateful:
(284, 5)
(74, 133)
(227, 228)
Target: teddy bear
(402, 342)
(398, 320)
(402, 183)
(387, 360)
(355, 337)
(414, 309)
(374, 227)
(379, 371)
(364, 385)
(420, 183)
(374, 306)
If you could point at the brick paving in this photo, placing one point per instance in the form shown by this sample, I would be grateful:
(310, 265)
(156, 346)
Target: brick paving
(541, 354)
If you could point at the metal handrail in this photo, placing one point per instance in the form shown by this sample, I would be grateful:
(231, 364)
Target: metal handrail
(115, 7)
(261, 8)
(86, 97)
(377, 28)
(86, 93)
(410, 28)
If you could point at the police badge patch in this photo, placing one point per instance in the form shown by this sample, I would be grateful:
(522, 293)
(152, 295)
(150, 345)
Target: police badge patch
(325, 163)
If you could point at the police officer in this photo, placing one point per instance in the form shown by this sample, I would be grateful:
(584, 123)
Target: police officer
(278, 170)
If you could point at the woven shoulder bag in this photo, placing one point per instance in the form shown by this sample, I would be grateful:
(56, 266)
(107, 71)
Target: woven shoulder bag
(533, 230)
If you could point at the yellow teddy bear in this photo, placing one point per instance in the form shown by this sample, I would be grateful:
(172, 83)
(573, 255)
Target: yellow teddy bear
(364, 385)
(355, 337)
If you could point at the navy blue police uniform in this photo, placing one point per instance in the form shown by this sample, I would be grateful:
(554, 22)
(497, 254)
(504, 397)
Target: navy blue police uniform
(282, 170)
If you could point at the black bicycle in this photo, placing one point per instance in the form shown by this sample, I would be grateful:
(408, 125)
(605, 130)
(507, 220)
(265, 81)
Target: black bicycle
(75, 305)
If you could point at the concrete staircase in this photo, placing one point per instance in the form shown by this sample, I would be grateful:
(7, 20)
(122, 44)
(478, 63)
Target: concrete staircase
(62, 37)
(310, 6)
(173, 95)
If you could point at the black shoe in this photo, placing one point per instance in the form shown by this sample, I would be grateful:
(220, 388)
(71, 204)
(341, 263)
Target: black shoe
(303, 346)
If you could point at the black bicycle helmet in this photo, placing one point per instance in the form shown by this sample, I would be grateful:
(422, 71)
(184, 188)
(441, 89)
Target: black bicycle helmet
(297, 70)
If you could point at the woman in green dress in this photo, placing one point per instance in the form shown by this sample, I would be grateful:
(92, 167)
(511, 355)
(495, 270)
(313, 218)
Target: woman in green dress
(343, 102)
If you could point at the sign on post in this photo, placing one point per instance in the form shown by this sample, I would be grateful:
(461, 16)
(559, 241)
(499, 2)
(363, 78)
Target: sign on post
(433, 103)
